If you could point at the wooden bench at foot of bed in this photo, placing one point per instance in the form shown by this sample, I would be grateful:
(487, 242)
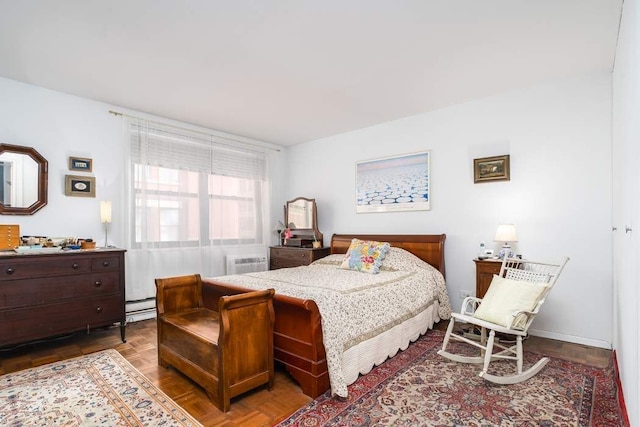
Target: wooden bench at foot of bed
(297, 337)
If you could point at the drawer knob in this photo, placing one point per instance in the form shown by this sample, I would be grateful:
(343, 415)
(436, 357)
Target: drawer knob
(75, 266)
(10, 270)
(98, 309)
(98, 283)
(106, 263)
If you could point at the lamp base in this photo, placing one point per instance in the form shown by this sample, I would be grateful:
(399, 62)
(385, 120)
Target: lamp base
(505, 251)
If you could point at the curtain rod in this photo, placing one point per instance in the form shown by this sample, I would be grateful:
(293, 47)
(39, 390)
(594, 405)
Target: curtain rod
(225, 135)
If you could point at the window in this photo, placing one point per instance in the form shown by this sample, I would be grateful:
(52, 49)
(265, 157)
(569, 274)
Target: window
(192, 189)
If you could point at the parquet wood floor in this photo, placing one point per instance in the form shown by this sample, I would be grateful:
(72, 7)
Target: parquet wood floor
(259, 407)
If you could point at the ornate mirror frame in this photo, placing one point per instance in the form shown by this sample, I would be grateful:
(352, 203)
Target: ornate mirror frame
(42, 181)
(309, 205)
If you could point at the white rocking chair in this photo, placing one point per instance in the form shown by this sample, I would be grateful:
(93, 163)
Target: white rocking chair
(509, 306)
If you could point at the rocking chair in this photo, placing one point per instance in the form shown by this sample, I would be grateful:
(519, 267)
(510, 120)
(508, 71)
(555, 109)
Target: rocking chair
(509, 306)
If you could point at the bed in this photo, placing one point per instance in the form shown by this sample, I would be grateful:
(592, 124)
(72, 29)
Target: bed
(351, 349)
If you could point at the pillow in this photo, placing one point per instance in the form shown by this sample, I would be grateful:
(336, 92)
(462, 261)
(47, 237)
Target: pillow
(505, 297)
(365, 255)
(398, 259)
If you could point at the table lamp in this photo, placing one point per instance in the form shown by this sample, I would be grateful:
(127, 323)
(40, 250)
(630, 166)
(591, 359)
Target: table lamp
(506, 233)
(105, 217)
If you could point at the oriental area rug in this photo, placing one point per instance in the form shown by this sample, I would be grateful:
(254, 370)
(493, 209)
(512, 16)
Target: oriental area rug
(101, 388)
(418, 387)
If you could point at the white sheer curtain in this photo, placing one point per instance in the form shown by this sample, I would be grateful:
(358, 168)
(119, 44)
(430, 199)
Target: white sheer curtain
(193, 199)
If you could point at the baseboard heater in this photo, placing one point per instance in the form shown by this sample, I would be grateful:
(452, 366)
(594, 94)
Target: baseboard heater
(140, 310)
(246, 264)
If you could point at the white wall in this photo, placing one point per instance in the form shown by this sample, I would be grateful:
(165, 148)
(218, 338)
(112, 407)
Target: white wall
(58, 125)
(559, 195)
(626, 209)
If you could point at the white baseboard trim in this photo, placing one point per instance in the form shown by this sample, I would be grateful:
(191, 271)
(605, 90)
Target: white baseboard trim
(139, 315)
(571, 338)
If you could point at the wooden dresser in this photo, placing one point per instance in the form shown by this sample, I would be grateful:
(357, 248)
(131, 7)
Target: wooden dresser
(45, 295)
(287, 256)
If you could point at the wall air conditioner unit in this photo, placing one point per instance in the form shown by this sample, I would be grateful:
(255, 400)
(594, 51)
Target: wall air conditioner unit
(246, 264)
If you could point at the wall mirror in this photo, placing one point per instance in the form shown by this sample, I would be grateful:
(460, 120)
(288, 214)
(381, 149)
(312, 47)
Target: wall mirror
(301, 217)
(23, 190)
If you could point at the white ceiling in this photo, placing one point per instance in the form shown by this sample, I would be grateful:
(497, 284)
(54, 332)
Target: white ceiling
(292, 71)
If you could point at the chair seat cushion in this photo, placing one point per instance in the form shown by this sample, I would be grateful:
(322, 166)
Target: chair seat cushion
(505, 298)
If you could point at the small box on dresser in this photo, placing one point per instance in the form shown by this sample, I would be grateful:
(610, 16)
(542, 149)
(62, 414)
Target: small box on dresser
(286, 257)
(45, 295)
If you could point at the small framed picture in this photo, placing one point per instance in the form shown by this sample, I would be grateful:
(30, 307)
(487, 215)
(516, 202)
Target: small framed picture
(491, 169)
(80, 186)
(80, 164)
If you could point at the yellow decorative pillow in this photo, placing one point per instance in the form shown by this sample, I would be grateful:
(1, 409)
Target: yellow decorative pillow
(505, 297)
(365, 255)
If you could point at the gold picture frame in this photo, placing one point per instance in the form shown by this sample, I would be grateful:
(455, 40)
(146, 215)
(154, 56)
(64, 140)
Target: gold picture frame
(80, 164)
(80, 186)
(487, 169)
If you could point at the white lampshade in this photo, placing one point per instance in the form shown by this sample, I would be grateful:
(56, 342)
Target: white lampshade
(506, 233)
(105, 211)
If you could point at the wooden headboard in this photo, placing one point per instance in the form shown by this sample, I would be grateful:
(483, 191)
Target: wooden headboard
(427, 247)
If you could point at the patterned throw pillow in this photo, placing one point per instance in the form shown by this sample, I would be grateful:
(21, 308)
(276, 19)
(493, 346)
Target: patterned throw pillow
(365, 255)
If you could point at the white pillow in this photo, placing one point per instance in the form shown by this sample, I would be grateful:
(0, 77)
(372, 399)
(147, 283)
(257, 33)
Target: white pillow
(505, 297)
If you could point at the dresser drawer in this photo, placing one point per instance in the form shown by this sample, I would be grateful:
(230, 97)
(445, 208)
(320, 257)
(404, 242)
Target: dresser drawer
(46, 290)
(26, 324)
(283, 257)
(29, 266)
(291, 254)
(105, 263)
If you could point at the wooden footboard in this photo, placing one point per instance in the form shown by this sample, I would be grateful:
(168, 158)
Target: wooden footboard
(297, 339)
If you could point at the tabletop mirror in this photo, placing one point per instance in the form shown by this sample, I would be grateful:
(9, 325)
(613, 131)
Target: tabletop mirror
(301, 217)
(23, 190)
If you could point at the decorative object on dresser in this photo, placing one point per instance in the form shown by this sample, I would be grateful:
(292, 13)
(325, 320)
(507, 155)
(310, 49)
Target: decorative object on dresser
(286, 257)
(9, 236)
(227, 351)
(301, 221)
(494, 168)
(47, 294)
(506, 233)
(24, 175)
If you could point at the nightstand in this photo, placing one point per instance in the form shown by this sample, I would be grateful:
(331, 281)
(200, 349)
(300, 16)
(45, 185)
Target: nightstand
(289, 256)
(485, 269)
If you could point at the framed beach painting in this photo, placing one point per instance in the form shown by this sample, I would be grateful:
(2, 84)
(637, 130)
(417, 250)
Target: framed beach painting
(393, 184)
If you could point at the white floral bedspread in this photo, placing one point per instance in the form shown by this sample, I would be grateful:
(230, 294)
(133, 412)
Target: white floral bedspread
(356, 306)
